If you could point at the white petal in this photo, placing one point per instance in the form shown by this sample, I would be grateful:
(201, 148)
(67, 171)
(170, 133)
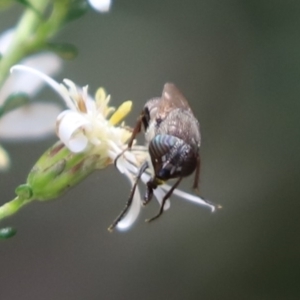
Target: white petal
(159, 193)
(130, 157)
(47, 63)
(134, 209)
(126, 161)
(190, 197)
(74, 91)
(69, 125)
(100, 5)
(5, 40)
(30, 121)
(121, 165)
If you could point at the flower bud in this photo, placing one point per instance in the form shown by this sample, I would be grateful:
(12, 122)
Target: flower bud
(54, 173)
(57, 170)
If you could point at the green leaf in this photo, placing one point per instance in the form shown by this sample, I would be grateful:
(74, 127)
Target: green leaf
(4, 4)
(12, 102)
(24, 191)
(27, 4)
(77, 9)
(7, 232)
(65, 51)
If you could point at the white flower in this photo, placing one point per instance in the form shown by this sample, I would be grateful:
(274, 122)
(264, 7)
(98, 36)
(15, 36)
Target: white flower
(86, 126)
(35, 119)
(100, 5)
(90, 126)
(4, 159)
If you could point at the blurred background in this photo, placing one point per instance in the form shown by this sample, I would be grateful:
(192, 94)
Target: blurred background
(238, 64)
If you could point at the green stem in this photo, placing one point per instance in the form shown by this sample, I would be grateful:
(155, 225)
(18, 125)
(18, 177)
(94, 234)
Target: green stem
(24, 32)
(12, 207)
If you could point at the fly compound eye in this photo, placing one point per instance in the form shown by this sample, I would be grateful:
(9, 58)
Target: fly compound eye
(189, 165)
(160, 146)
(171, 157)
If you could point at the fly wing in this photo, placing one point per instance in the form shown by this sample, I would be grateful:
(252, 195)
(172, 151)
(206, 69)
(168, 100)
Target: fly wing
(171, 99)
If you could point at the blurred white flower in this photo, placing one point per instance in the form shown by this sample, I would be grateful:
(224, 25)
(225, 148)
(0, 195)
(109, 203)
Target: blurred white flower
(35, 119)
(90, 126)
(4, 159)
(100, 5)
